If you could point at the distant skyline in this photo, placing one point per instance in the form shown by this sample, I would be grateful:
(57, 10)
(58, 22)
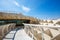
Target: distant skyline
(42, 9)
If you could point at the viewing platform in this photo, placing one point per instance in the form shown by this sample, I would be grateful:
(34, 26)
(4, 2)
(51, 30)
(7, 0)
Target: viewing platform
(29, 32)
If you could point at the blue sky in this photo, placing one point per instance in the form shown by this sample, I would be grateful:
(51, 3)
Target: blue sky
(43, 9)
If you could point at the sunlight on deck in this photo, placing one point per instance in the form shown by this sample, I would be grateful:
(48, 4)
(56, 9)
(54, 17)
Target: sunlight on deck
(21, 35)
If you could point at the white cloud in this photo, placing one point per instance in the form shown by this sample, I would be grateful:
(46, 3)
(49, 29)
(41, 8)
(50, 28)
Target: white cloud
(26, 9)
(11, 3)
(16, 3)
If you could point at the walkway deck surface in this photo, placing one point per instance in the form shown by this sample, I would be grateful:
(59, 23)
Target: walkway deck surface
(21, 35)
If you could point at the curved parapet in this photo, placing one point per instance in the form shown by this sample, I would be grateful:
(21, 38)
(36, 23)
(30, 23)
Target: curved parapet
(43, 32)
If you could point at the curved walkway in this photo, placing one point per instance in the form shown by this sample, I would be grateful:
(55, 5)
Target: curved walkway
(17, 35)
(21, 35)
